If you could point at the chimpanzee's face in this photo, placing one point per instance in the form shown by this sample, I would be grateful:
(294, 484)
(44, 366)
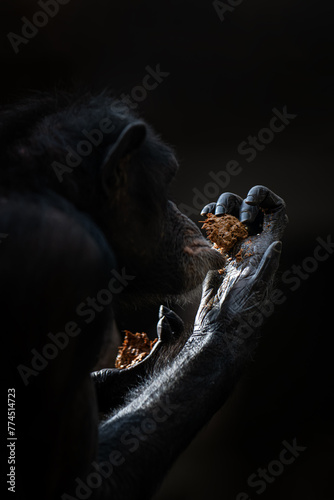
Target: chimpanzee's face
(152, 239)
(187, 256)
(122, 184)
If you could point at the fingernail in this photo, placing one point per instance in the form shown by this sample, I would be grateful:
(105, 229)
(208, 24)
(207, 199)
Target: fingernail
(220, 210)
(163, 311)
(245, 216)
(250, 200)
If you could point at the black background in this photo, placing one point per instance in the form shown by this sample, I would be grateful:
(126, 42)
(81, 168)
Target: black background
(225, 77)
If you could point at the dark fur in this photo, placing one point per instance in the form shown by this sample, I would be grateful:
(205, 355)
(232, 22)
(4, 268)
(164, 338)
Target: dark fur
(36, 133)
(64, 239)
(49, 263)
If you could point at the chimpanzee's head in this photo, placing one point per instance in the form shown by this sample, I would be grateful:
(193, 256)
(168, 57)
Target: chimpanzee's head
(155, 242)
(113, 167)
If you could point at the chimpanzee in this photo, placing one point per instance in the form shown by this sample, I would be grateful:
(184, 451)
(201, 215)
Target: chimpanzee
(91, 237)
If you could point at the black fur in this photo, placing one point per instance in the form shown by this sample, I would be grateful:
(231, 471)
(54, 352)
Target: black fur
(66, 229)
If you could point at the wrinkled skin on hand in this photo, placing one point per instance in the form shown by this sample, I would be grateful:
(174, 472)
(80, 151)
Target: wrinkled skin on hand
(229, 299)
(195, 382)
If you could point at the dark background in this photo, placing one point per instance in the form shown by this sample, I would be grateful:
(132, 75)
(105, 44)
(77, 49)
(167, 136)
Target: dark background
(225, 79)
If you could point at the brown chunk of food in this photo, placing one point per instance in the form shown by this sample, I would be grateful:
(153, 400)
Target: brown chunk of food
(225, 231)
(135, 347)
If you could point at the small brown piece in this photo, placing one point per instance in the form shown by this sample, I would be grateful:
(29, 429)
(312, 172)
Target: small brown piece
(135, 347)
(225, 231)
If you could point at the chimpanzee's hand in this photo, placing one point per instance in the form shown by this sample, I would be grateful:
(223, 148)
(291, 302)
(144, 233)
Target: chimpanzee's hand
(229, 299)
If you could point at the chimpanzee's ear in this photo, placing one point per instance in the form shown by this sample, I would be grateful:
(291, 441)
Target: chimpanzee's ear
(130, 139)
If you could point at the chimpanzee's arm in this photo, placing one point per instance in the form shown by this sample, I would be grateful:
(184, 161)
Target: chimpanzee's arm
(161, 419)
(140, 442)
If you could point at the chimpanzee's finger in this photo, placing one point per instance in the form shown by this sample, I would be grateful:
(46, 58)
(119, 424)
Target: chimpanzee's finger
(228, 203)
(268, 264)
(263, 197)
(164, 330)
(275, 218)
(209, 209)
(175, 322)
(248, 213)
